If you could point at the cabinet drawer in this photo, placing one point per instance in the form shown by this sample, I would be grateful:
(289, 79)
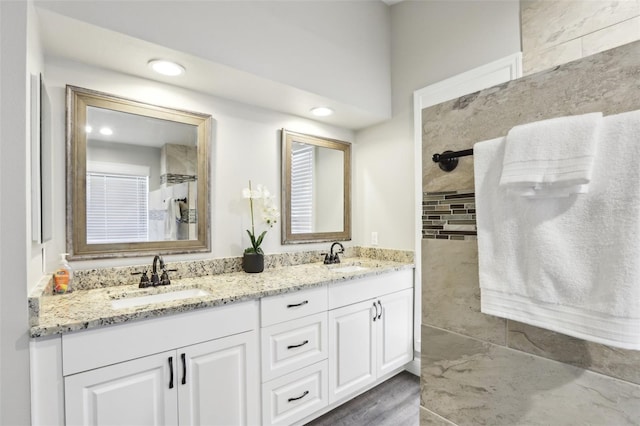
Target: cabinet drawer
(347, 293)
(292, 345)
(86, 350)
(295, 396)
(297, 304)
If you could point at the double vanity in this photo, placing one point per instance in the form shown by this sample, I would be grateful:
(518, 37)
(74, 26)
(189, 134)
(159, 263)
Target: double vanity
(216, 346)
(276, 348)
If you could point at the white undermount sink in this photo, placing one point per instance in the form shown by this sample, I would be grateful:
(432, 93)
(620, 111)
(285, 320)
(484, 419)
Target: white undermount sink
(130, 302)
(348, 268)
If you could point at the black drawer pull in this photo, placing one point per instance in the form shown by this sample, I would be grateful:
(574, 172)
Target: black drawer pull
(380, 314)
(170, 372)
(184, 369)
(298, 304)
(300, 397)
(297, 346)
(376, 308)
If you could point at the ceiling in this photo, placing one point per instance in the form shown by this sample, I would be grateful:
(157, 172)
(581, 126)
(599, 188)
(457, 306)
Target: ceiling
(74, 40)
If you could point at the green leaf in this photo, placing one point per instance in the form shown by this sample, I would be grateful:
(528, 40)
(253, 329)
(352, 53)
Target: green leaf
(260, 238)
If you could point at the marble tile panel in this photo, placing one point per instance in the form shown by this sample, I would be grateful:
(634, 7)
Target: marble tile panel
(427, 418)
(476, 383)
(549, 23)
(607, 82)
(451, 292)
(539, 60)
(179, 159)
(610, 37)
(621, 363)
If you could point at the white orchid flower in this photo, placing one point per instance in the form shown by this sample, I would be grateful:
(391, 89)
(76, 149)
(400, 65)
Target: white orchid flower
(269, 213)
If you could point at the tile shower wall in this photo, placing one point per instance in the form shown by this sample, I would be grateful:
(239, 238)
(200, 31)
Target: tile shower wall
(481, 369)
(556, 32)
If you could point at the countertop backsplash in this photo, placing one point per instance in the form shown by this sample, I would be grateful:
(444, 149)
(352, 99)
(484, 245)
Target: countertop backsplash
(88, 279)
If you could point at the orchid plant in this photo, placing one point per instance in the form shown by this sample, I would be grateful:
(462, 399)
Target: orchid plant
(269, 214)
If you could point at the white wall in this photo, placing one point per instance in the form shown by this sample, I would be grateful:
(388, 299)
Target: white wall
(19, 55)
(430, 41)
(246, 145)
(328, 196)
(337, 49)
(123, 153)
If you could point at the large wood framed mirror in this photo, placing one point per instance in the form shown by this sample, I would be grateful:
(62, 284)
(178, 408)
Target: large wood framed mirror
(316, 189)
(137, 177)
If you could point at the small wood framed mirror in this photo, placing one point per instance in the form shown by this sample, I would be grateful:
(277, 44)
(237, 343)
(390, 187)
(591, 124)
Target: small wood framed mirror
(316, 189)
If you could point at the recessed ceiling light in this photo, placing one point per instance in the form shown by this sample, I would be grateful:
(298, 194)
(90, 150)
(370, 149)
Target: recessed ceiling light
(321, 111)
(106, 131)
(88, 129)
(165, 67)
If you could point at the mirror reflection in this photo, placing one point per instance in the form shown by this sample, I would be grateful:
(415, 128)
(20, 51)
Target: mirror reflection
(139, 177)
(316, 189)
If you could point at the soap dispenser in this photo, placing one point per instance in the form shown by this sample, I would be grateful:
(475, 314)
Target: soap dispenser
(63, 277)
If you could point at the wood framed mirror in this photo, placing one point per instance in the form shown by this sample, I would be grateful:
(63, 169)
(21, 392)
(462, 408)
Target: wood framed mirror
(316, 189)
(137, 177)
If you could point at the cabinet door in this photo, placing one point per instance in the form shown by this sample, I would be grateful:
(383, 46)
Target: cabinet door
(352, 342)
(219, 382)
(138, 392)
(395, 343)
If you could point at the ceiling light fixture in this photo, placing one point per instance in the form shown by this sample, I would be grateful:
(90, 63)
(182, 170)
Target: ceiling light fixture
(106, 131)
(164, 67)
(322, 111)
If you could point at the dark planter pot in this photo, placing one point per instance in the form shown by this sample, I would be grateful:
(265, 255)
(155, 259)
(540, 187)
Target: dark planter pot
(253, 262)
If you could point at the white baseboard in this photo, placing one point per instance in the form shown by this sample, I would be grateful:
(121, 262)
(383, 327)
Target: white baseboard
(414, 366)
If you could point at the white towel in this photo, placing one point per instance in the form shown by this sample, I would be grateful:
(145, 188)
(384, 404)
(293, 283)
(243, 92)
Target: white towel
(551, 158)
(171, 220)
(570, 265)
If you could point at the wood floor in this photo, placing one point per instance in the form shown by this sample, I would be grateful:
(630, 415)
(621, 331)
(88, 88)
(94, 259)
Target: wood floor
(395, 402)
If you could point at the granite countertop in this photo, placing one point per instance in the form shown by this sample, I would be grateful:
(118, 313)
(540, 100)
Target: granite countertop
(87, 309)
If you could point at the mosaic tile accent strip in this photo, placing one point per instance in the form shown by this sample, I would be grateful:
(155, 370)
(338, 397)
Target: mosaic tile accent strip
(449, 215)
(176, 178)
(193, 216)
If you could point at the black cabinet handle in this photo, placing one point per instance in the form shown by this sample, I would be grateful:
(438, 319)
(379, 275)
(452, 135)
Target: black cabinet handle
(300, 397)
(297, 346)
(170, 372)
(380, 314)
(376, 308)
(184, 369)
(298, 304)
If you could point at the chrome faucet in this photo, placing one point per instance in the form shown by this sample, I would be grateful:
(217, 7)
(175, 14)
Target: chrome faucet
(330, 257)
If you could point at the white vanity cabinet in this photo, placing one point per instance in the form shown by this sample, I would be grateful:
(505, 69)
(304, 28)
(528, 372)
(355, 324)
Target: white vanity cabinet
(370, 331)
(294, 355)
(214, 382)
(280, 360)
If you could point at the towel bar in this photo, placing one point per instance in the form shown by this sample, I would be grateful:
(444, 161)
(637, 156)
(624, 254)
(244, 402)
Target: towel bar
(448, 160)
